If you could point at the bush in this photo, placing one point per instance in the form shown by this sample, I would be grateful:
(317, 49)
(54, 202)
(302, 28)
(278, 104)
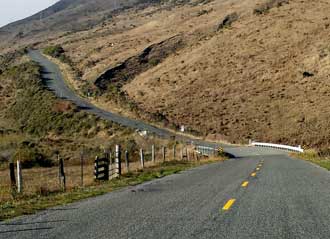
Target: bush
(31, 157)
(264, 8)
(227, 21)
(54, 51)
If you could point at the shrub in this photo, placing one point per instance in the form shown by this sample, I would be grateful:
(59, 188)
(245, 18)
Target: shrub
(54, 51)
(31, 157)
(227, 21)
(265, 7)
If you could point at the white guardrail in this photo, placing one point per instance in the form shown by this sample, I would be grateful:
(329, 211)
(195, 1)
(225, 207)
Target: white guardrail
(278, 146)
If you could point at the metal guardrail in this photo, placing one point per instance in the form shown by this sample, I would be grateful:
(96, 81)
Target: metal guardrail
(278, 146)
(207, 151)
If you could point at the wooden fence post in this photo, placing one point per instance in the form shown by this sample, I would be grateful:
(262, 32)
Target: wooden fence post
(174, 151)
(82, 169)
(153, 153)
(118, 160)
(96, 167)
(164, 153)
(110, 165)
(106, 165)
(187, 153)
(127, 161)
(142, 158)
(61, 174)
(19, 177)
(12, 178)
(182, 153)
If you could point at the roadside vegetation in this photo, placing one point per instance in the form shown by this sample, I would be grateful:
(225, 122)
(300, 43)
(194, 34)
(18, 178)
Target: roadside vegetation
(319, 157)
(23, 205)
(35, 124)
(36, 128)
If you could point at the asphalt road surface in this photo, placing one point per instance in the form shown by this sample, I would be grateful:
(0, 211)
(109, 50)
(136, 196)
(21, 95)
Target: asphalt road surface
(261, 193)
(286, 198)
(54, 80)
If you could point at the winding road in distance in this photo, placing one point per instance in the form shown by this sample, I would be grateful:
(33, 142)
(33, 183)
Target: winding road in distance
(260, 193)
(55, 82)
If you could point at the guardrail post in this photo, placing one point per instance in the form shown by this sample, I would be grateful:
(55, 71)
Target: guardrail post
(174, 151)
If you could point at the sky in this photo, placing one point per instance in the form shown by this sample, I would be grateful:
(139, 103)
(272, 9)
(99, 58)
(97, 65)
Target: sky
(13, 10)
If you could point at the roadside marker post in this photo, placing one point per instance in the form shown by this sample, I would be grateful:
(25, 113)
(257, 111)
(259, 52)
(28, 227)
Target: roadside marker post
(164, 154)
(19, 177)
(142, 158)
(153, 153)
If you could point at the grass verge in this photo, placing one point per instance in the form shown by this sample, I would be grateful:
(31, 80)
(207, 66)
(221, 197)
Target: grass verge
(31, 204)
(314, 157)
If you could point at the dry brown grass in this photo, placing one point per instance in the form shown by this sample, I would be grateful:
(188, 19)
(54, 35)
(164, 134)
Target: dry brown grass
(246, 81)
(42, 181)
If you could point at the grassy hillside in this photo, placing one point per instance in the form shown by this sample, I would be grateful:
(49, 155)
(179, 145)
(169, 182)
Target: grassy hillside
(34, 124)
(232, 70)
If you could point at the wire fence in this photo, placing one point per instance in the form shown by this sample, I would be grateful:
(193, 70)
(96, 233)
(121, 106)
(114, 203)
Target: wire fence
(42, 181)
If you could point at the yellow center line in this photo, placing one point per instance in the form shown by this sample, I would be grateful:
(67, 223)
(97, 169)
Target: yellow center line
(253, 174)
(228, 205)
(257, 169)
(244, 184)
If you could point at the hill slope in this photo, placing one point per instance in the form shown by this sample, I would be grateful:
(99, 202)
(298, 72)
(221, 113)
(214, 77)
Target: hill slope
(229, 69)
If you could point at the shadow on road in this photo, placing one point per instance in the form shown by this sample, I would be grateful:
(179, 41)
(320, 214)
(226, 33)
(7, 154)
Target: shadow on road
(84, 108)
(31, 223)
(45, 80)
(61, 209)
(26, 230)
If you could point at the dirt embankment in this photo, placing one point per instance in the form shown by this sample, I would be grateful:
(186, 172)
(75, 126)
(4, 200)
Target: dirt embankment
(133, 66)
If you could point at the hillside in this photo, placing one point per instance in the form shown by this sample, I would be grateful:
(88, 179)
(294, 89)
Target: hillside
(228, 69)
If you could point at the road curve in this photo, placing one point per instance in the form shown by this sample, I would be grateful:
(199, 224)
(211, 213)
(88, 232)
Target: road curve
(261, 193)
(55, 82)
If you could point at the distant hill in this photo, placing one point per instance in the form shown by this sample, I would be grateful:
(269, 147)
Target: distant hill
(65, 16)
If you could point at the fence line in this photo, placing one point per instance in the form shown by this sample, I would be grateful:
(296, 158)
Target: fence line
(66, 175)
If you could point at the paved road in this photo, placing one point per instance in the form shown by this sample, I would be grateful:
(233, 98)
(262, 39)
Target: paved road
(287, 198)
(54, 80)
